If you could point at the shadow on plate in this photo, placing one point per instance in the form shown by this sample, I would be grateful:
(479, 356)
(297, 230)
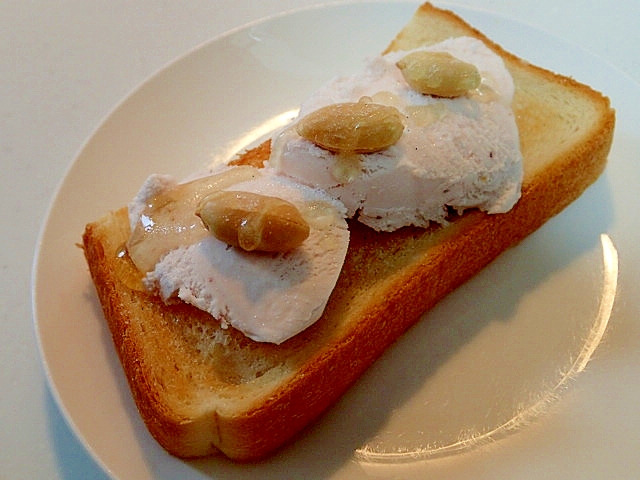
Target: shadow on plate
(71, 457)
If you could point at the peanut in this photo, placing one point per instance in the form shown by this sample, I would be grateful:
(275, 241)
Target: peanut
(360, 127)
(252, 221)
(439, 74)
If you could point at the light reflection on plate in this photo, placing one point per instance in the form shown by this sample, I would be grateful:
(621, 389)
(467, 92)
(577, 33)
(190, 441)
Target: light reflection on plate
(445, 436)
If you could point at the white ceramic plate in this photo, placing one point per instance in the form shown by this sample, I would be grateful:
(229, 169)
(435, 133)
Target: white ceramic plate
(492, 384)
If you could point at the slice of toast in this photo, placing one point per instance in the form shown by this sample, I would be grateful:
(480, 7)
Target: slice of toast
(201, 388)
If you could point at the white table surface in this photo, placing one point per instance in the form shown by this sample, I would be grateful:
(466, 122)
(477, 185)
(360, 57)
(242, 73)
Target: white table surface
(63, 67)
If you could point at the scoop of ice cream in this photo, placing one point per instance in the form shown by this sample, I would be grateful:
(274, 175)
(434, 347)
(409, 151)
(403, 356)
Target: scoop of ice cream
(458, 153)
(268, 296)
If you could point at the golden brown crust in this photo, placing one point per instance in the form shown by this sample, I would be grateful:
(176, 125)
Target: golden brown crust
(247, 398)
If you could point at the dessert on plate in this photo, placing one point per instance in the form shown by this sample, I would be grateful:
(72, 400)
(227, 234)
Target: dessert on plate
(242, 303)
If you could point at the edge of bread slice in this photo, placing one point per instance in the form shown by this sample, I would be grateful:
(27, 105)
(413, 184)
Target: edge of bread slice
(201, 388)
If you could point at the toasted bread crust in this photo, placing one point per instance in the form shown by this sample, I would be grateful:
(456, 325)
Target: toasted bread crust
(246, 398)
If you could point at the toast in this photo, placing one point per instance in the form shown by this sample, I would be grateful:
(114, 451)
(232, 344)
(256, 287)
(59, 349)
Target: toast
(202, 389)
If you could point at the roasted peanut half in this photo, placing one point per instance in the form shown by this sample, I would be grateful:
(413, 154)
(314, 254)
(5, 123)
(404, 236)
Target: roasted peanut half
(439, 74)
(252, 221)
(359, 127)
